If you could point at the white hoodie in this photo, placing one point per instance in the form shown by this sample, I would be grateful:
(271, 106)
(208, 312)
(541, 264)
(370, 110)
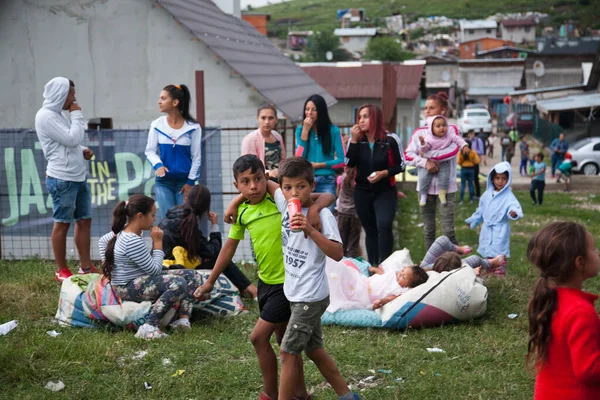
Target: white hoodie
(60, 136)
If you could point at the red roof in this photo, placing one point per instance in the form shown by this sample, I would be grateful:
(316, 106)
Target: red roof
(366, 81)
(518, 22)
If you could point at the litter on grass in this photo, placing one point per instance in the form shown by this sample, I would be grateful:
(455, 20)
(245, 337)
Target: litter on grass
(179, 372)
(166, 362)
(53, 333)
(385, 371)
(139, 355)
(147, 386)
(513, 316)
(7, 327)
(55, 386)
(435, 350)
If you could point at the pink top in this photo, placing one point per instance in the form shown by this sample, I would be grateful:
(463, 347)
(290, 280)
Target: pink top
(449, 142)
(254, 143)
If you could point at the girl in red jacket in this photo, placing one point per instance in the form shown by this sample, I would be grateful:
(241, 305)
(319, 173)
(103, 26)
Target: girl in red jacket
(564, 328)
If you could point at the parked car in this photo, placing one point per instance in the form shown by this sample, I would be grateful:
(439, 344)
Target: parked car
(587, 154)
(475, 105)
(524, 121)
(478, 120)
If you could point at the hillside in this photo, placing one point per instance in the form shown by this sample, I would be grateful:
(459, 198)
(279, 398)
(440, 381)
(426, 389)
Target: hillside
(321, 14)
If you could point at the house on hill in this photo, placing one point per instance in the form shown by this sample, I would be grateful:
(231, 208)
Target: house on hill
(121, 54)
(505, 52)
(477, 29)
(257, 20)
(518, 30)
(467, 50)
(355, 40)
(489, 81)
(354, 84)
(441, 73)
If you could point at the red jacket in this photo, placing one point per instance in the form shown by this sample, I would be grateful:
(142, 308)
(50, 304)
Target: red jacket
(572, 369)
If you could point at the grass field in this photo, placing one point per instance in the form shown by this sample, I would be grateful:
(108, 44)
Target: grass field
(483, 359)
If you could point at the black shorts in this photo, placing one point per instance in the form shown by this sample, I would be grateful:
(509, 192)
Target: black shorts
(273, 305)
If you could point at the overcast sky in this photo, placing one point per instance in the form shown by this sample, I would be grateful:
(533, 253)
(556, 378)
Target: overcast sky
(257, 3)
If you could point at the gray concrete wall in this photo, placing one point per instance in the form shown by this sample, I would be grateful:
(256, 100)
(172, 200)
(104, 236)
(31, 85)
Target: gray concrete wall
(120, 53)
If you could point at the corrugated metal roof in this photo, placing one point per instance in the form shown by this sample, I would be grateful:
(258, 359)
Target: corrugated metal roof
(355, 32)
(517, 22)
(366, 81)
(574, 102)
(500, 77)
(489, 91)
(554, 77)
(585, 45)
(249, 54)
(478, 24)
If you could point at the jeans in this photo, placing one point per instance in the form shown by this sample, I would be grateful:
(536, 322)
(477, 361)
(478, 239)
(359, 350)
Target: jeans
(326, 184)
(446, 218)
(537, 185)
(376, 212)
(523, 166)
(476, 181)
(556, 160)
(167, 194)
(467, 175)
(71, 201)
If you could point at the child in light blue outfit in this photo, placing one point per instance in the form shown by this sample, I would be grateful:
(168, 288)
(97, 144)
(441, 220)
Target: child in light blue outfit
(497, 206)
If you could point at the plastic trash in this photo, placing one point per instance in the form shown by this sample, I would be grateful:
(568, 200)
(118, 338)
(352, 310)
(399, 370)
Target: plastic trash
(147, 386)
(179, 372)
(139, 355)
(513, 316)
(166, 362)
(53, 333)
(385, 371)
(435, 350)
(55, 386)
(9, 326)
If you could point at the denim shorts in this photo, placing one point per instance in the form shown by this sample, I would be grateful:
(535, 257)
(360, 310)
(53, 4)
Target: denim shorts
(71, 201)
(304, 331)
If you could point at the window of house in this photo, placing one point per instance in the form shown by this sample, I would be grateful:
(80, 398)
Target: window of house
(471, 31)
(488, 31)
(527, 29)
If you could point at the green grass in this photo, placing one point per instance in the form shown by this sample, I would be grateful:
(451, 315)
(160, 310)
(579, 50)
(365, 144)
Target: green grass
(321, 14)
(483, 359)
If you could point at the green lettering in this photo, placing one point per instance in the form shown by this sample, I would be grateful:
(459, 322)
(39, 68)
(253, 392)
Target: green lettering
(11, 183)
(30, 180)
(125, 182)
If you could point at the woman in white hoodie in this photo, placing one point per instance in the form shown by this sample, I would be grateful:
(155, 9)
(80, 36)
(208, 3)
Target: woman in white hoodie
(61, 140)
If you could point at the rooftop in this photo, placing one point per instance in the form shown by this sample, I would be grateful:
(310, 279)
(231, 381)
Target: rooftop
(517, 22)
(355, 32)
(478, 24)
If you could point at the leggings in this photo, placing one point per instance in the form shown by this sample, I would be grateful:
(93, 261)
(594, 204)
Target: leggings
(376, 212)
(446, 218)
(165, 290)
(443, 245)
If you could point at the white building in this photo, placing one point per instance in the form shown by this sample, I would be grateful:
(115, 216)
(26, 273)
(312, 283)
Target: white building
(395, 23)
(518, 30)
(355, 39)
(477, 29)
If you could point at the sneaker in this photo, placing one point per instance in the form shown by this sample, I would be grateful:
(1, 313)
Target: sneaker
(501, 263)
(149, 332)
(63, 274)
(182, 324)
(442, 196)
(264, 396)
(92, 270)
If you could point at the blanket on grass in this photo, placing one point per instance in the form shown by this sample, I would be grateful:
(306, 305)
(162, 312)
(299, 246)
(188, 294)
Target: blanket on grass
(89, 301)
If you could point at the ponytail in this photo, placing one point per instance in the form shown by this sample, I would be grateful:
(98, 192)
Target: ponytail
(197, 204)
(123, 211)
(182, 94)
(118, 224)
(541, 308)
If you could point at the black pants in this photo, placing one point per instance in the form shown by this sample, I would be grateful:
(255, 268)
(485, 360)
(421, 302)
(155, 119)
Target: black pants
(539, 186)
(477, 186)
(376, 212)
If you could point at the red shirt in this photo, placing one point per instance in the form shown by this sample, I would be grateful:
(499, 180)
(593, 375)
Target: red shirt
(572, 369)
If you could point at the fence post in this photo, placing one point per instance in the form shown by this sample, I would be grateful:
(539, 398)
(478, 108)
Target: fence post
(200, 111)
(388, 97)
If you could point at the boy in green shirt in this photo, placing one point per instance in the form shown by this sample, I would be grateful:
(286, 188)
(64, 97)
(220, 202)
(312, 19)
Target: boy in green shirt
(258, 213)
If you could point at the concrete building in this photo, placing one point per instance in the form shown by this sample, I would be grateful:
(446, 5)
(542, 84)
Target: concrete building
(477, 29)
(489, 81)
(257, 20)
(518, 30)
(468, 50)
(355, 40)
(441, 74)
(355, 83)
(121, 54)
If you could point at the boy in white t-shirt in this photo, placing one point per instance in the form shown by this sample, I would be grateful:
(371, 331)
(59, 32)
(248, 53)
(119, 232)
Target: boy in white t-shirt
(305, 284)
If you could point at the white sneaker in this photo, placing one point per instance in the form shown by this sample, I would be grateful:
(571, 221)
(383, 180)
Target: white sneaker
(182, 324)
(150, 332)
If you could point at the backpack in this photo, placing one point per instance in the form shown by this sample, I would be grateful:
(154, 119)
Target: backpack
(505, 141)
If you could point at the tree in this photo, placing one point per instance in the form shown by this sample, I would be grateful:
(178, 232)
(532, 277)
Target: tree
(322, 42)
(386, 48)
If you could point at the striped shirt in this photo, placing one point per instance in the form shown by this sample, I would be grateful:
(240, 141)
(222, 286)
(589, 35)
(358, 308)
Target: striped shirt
(132, 258)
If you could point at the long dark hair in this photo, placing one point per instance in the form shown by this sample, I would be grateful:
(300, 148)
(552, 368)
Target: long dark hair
(181, 93)
(376, 127)
(196, 205)
(553, 250)
(123, 212)
(323, 122)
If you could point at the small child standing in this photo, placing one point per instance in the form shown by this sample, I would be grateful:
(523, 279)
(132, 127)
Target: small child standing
(497, 206)
(305, 284)
(538, 179)
(347, 221)
(437, 145)
(564, 328)
(564, 171)
(467, 172)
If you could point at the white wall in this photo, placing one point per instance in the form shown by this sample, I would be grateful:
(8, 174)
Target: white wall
(355, 43)
(120, 53)
(466, 34)
(518, 34)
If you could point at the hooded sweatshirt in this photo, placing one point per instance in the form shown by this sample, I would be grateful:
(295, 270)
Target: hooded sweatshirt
(60, 136)
(450, 143)
(493, 212)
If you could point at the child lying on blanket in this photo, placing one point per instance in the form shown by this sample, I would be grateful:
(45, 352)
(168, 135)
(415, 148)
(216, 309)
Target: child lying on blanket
(349, 289)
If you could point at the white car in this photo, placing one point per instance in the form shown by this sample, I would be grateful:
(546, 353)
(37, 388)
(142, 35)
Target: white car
(476, 119)
(587, 154)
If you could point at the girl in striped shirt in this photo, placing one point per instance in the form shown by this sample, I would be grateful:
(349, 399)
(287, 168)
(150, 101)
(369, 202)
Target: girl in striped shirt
(136, 274)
